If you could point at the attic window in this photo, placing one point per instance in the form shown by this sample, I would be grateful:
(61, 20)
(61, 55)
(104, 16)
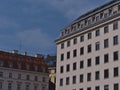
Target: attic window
(1, 63)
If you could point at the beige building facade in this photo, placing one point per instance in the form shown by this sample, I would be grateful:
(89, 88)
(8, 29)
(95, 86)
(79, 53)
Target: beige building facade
(88, 51)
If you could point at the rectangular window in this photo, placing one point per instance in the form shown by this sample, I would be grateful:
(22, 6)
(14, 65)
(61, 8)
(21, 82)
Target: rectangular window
(74, 66)
(62, 46)
(115, 25)
(10, 75)
(9, 86)
(81, 64)
(116, 86)
(68, 68)
(81, 89)
(89, 77)
(81, 50)
(36, 87)
(97, 46)
(1, 85)
(81, 78)
(106, 87)
(18, 86)
(67, 81)
(106, 58)
(106, 43)
(97, 60)
(62, 57)
(97, 33)
(106, 29)
(68, 55)
(81, 38)
(89, 62)
(89, 88)
(27, 77)
(89, 35)
(115, 40)
(74, 53)
(89, 48)
(74, 79)
(61, 69)
(68, 43)
(97, 88)
(115, 55)
(97, 75)
(61, 82)
(19, 76)
(27, 87)
(116, 72)
(106, 73)
(36, 78)
(75, 41)
(1, 74)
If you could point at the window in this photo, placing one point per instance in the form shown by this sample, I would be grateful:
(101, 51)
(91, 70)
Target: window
(28, 67)
(106, 58)
(62, 57)
(18, 86)
(68, 68)
(19, 76)
(89, 88)
(62, 45)
(1, 85)
(68, 55)
(106, 41)
(43, 88)
(115, 25)
(74, 53)
(97, 46)
(27, 77)
(89, 48)
(81, 50)
(97, 75)
(67, 81)
(116, 71)
(10, 75)
(35, 87)
(74, 66)
(81, 78)
(106, 73)
(61, 69)
(9, 86)
(89, 77)
(27, 87)
(82, 38)
(97, 60)
(89, 62)
(115, 40)
(10, 64)
(74, 79)
(61, 82)
(36, 78)
(75, 41)
(1, 74)
(106, 29)
(81, 88)
(97, 33)
(89, 35)
(81, 64)
(68, 43)
(19, 66)
(43, 79)
(97, 18)
(97, 88)
(1, 63)
(106, 87)
(36, 68)
(116, 86)
(115, 55)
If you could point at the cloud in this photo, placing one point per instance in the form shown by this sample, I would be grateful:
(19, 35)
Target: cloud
(35, 38)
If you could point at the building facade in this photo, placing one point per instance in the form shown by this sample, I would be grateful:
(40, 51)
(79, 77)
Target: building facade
(23, 72)
(88, 51)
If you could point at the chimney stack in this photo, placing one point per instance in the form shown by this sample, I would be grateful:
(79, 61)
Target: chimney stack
(15, 51)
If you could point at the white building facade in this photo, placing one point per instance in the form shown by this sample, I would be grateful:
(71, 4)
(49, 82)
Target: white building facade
(88, 51)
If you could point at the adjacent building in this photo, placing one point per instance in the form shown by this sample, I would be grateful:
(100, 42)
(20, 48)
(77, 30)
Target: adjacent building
(88, 51)
(23, 72)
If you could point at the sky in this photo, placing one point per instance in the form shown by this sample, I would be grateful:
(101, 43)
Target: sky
(33, 25)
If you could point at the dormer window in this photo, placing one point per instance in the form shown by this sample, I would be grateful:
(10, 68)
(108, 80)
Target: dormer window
(10, 64)
(101, 15)
(1, 63)
(28, 67)
(97, 18)
(36, 68)
(89, 21)
(105, 15)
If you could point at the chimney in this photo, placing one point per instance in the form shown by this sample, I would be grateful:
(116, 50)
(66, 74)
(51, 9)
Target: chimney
(15, 51)
(25, 53)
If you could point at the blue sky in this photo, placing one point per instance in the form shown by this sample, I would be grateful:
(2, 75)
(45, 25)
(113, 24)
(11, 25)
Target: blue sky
(33, 25)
